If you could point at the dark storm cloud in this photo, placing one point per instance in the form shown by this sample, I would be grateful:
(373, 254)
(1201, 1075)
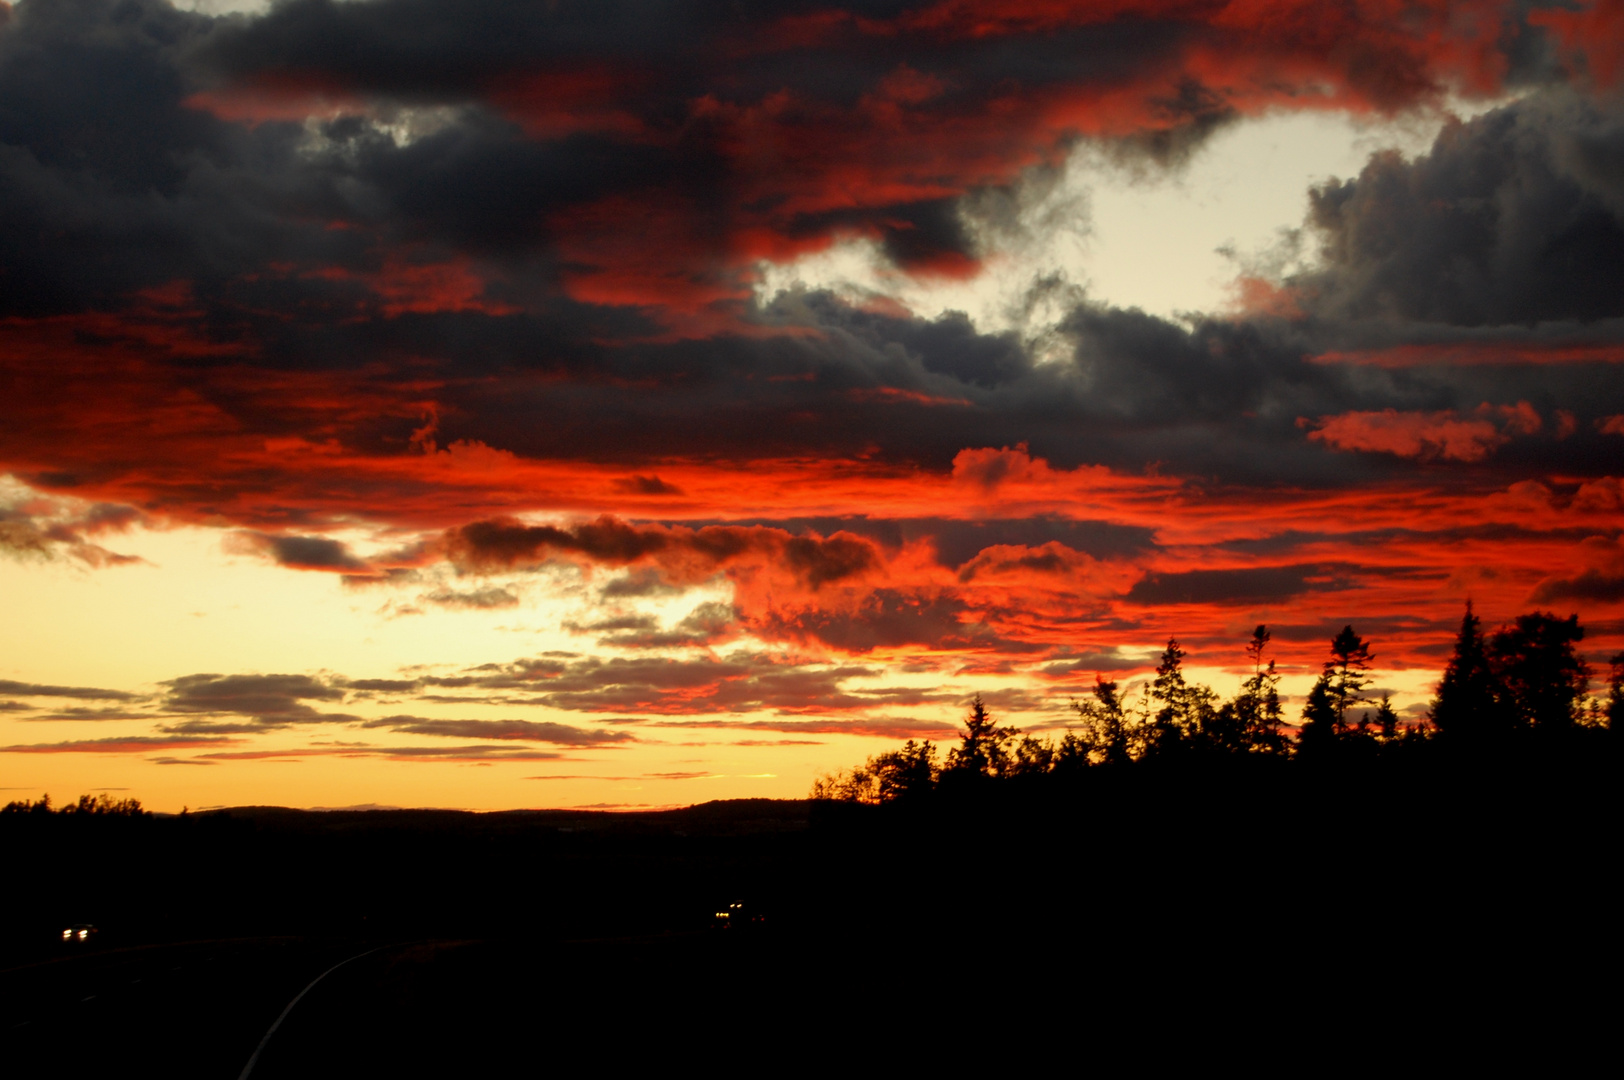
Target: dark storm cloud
(647, 485)
(174, 145)
(529, 229)
(301, 552)
(1516, 216)
(1257, 585)
(490, 545)
(109, 184)
(1102, 660)
(889, 618)
(263, 216)
(1220, 398)
(958, 542)
(1592, 585)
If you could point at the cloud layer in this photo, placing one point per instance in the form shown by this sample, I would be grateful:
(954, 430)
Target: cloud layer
(438, 298)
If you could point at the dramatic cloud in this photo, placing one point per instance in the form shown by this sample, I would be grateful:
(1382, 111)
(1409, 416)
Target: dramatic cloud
(299, 552)
(469, 306)
(1260, 585)
(735, 683)
(47, 529)
(1412, 434)
(1592, 585)
(1515, 217)
(684, 554)
(270, 700)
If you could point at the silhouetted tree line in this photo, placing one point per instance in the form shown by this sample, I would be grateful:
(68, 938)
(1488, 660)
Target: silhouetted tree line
(100, 805)
(1526, 682)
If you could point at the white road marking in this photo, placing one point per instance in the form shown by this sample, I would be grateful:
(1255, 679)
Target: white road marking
(260, 1049)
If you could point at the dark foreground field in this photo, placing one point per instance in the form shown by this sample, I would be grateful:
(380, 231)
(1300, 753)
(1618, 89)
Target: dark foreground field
(1225, 915)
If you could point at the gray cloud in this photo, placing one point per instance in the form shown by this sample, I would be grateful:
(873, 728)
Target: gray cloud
(131, 744)
(1255, 585)
(1591, 585)
(271, 700)
(301, 552)
(1514, 217)
(518, 730)
(91, 693)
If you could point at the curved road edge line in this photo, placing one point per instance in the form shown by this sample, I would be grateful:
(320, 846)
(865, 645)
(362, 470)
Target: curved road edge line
(260, 1049)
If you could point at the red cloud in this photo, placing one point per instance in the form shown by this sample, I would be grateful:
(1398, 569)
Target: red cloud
(926, 108)
(1479, 352)
(1594, 35)
(1427, 436)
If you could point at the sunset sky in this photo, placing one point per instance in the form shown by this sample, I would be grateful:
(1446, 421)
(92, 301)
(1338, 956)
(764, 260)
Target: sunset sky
(491, 404)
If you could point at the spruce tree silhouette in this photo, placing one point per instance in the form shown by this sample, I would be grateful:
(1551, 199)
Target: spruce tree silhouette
(1386, 720)
(1318, 733)
(1187, 716)
(1467, 706)
(984, 752)
(1345, 674)
(1257, 706)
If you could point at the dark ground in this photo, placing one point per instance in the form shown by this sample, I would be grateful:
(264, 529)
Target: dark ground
(1143, 908)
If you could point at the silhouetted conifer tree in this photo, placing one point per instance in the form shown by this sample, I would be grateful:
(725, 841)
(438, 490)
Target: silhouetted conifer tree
(1318, 733)
(1257, 706)
(985, 748)
(1186, 711)
(1468, 701)
(1345, 673)
(1386, 720)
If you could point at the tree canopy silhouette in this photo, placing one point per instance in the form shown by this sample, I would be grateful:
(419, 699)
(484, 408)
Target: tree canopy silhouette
(1527, 676)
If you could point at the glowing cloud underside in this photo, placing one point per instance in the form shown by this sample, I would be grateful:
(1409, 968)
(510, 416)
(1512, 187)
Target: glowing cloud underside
(590, 404)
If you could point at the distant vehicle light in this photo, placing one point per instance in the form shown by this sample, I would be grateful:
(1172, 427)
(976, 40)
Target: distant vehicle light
(83, 934)
(67, 935)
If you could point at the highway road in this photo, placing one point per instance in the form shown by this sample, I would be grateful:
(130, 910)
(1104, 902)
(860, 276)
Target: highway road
(193, 1009)
(425, 1008)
